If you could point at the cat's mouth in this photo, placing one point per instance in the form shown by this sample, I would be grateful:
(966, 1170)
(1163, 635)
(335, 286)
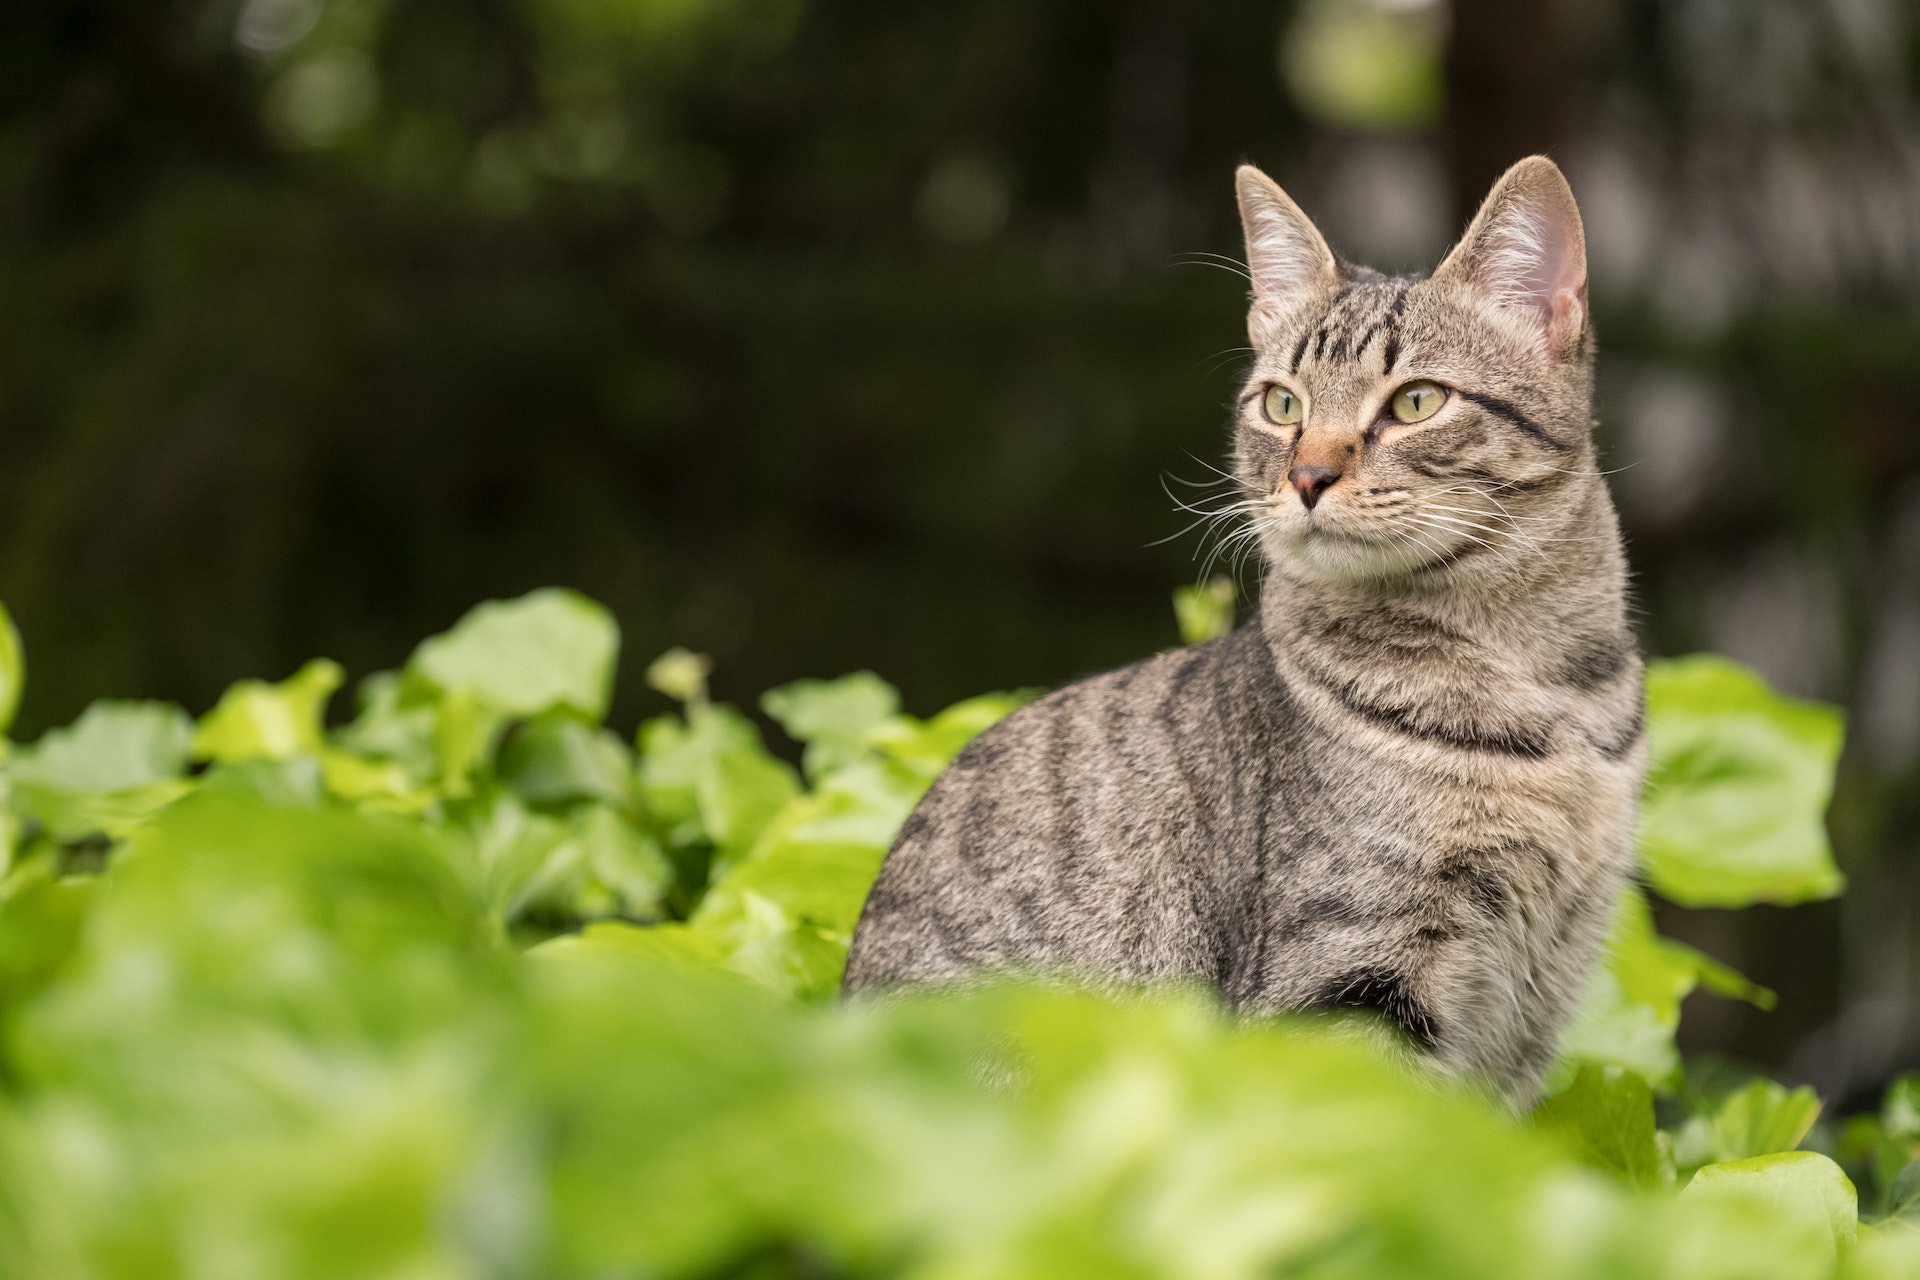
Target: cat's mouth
(1317, 529)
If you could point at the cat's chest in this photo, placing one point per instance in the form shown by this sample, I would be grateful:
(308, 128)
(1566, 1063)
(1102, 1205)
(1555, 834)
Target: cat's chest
(1420, 801)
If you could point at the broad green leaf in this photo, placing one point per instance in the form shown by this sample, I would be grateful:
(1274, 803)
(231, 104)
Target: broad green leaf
(111, 747)
(1900, 1107)
(109, 771)
(1204, 611)
(556, 759)
(1737, 787)
(927, 746)
(1890, 1141)
(255, 720)
(510, 845)
(673, 945)
(603, 867)
(1903, 1193)
(396, 721)
(1607, 1116)
(630, 874)
(834, 718)
(712, 776)
(551, 648)
(41, 915)
(1885, 1251)
(13, 669)
(465, 731)
(1759, 1118)
(1633, 1006)
(1613, 1029)
(1802, 1194)
(740, 792)
(293, 783)
(376, 785)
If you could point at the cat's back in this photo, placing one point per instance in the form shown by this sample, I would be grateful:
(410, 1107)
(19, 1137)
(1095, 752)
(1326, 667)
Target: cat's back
(1084, 829)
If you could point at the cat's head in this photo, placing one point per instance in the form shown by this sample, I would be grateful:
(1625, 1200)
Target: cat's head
(1395, 426)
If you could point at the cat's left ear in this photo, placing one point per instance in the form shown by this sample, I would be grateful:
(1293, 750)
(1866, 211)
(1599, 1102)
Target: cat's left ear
(1527, 252)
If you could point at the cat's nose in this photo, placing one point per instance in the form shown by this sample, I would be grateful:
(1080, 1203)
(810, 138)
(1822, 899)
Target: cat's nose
(1312, 482)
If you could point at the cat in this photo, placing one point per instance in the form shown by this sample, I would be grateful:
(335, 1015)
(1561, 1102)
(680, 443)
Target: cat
(1408, 784)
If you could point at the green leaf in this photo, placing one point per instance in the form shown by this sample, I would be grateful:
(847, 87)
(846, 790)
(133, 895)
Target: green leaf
(1900, 1107)
(682, 675)
(1205, 611)
(397, 721)
(1737, 787)
(551, 648)
(109, 771)
(1606, 1114)
(294, 783)
(556, 759)
(41, 915)
(675, 945)
(1801, 1195)
(111, 747)
(255, 720)
(13, 670)
(1632, 1008)
(1759, 1118)
(1903, 1195)
(374, 785)
(834, 718)
(928, 746)
(603, 866)
(712, 770)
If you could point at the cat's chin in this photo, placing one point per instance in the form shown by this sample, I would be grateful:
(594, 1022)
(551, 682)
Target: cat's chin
(1320, 552)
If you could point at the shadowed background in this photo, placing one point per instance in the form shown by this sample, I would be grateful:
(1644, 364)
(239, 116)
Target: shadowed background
(827, 334)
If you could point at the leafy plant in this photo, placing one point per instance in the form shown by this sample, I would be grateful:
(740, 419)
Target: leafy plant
(470, 985)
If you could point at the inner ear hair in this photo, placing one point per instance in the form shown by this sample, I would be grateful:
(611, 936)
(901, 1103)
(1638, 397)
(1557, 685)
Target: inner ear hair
(1287, 257)
(1526, 250)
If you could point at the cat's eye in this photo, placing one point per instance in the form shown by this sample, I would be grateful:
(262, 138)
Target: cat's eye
(1418, 401)
(1282, 406)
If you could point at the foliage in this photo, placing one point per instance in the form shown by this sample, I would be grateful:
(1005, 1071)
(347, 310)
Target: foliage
(470, 985)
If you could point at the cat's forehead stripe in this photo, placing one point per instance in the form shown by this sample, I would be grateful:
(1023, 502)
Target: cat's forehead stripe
(1366, 308)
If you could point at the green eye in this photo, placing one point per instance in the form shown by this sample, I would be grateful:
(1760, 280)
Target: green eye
(1418, 401)
(1282, 406)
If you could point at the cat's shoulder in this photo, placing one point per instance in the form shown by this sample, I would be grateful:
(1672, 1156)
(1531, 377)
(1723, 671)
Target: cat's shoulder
(1233, 668)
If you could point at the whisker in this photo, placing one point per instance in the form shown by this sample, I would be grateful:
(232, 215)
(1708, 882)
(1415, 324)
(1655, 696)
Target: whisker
(1219, 261)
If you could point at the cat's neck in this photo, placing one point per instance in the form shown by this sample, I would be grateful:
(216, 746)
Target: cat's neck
(1527, 594)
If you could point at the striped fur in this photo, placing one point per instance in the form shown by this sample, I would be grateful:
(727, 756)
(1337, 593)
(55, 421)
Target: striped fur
(1409, 783)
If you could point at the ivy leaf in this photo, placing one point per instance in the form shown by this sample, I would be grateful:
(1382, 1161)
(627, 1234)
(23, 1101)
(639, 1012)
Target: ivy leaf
(1802, 1197)
(712, 771)
(255, 720)
(1759, 1118)
(551, 648)
(927, 746)
(111, 747)
(555, 759)
(1632, 1008)
(1606, 1114)
(1737, 786)
(1204, 611)
(833, 717)
(108, 771)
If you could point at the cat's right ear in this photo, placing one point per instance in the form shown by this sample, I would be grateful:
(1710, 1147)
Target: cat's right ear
(1286, 256)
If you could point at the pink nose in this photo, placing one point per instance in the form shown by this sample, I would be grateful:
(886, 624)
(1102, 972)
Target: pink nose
(1312, 482)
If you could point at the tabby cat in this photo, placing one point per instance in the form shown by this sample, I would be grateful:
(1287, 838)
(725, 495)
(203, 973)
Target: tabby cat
(1408, 784)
